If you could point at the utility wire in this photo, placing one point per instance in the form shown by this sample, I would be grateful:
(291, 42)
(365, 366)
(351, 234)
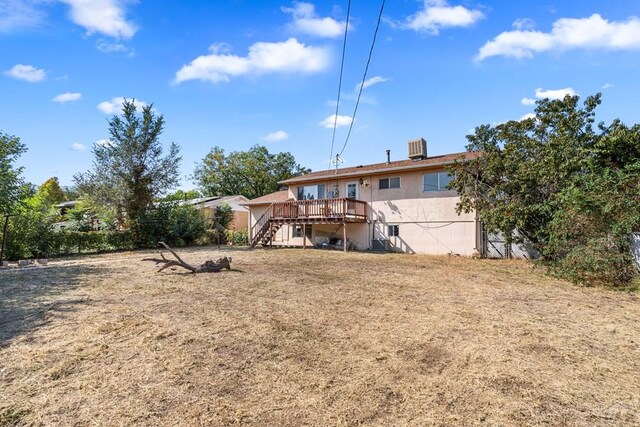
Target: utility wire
(344, 49)
(364, 78)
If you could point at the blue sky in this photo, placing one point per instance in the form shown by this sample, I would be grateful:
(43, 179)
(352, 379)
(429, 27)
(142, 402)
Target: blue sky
(242, 72)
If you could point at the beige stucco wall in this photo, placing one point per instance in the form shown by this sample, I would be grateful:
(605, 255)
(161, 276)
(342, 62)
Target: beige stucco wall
(428, 220)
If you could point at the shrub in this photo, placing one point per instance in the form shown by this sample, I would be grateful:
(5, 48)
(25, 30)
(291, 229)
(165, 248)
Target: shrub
(168, 222)
(600, 261)
(187, 225)
(237, 237)
(30, 234)
(590, 235)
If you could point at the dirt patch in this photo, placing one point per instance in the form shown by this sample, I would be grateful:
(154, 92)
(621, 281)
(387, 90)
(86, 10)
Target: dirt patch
(309, 337)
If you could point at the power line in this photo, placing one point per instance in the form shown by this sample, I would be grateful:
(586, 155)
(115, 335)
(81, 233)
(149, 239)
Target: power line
(364, 78)
(344, 49)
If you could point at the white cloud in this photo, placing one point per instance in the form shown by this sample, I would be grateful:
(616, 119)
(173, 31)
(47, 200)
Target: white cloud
(78, 147)
(102, 16)
(16, 14)
(306, 21)
(115, 105)
(28, 73)
(276, 136)
(96, 16)
(594, 32)
(67, 97)
(555, 93)
(527, 116)
(283, 57)
(524, 24)
(437, 14)
(220, 47)
(340, 122)
(607, 86)
(106, 47)
(549, 93)
(370, 82)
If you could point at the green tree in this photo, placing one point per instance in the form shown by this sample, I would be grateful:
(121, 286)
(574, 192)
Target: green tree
(542, 176)
(252, 173)
(590, 235)
(70, 193)
(10, 180)
(31, 231)
(130, 171)
(223, 215)
(525, 164)
(50, 192)
(182, 195)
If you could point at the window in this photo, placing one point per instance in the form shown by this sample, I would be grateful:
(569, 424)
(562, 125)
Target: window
(310, 192)
(386, 183)
(352, 190)
(393, 230)
(436, 181)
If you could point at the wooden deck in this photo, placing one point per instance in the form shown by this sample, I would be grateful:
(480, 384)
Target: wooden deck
(320, 211)
(337, 210)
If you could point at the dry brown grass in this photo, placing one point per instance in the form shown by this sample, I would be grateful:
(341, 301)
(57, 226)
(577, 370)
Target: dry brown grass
(314, 338)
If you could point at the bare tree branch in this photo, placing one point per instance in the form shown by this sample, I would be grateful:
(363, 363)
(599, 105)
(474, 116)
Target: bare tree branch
(209, 266)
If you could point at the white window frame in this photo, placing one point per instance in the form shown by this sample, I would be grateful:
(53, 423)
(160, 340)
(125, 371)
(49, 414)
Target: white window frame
(388, 179)
(440, 187)
(346, 189)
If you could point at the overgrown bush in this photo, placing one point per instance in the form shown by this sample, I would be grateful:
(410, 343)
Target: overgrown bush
(168, 222)
(187, 224)
(237, 237)
(69, 242)
(591, 234)
(31, 232)
(560, 183)
(600, 261)
(46, 242)
(214, 236)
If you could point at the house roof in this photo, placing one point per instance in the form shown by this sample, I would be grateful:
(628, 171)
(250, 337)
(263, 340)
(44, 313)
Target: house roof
(212, 201)
(198, 200)
(383, 168)
(217, 199)
(267, 199)
(67, 204)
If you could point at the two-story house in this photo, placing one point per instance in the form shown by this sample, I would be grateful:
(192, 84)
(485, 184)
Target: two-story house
(396, 205)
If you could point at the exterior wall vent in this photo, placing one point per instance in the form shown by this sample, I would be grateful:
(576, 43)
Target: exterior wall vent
(418, 149)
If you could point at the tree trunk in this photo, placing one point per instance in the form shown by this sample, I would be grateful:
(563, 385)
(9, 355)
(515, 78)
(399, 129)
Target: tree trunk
(208, 266)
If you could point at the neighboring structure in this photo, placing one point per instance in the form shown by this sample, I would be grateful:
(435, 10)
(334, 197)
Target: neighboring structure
(66, 206)
(209, 204)
(400, 206)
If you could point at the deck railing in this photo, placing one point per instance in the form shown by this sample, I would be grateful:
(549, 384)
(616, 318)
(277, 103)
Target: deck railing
(321, 209)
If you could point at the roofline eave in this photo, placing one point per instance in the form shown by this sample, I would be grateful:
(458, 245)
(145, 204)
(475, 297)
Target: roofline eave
(367, 173)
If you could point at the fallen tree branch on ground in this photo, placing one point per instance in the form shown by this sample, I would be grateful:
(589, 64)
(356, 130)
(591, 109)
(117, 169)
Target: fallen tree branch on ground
(209, 266)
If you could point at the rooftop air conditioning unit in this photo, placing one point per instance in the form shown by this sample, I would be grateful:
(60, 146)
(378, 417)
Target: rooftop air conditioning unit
(380, 245)
(418, 149)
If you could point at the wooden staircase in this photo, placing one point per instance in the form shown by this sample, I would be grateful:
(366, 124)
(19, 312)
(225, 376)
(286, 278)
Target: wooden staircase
(264, 229)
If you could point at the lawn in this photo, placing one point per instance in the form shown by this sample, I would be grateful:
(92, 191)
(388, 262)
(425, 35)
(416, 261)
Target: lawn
(294, 337)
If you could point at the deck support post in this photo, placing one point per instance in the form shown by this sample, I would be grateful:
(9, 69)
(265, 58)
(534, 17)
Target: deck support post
(271, 235)
(344, 237)
(304, 236)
